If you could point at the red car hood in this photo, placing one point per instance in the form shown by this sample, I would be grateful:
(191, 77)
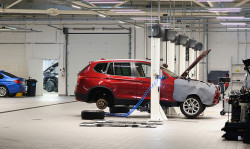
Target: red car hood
(185, 73)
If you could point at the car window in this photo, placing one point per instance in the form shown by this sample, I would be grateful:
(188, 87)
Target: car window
(122, 69)
(143, 70)
(10, 75)
(101, 67)
(1, 76)
(110, 69)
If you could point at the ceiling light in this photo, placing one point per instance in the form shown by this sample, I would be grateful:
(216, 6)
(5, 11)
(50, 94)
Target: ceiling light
(137, 26)
(215, 0)
(4, 29)
(224, 9)
(121, 21)
(74, 6)
(100, 0)
(144, 18)
(127, 10)
(230, 18)
(233, 24)
(107, 2)
(101, 15)
(12, 28)
(240, 28)
(131, 12)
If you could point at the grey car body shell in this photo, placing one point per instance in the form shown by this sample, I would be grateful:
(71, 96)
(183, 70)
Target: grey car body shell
(185, 87)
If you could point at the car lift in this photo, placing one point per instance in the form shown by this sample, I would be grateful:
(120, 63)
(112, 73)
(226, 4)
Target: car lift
(156, 111)
(134, 124)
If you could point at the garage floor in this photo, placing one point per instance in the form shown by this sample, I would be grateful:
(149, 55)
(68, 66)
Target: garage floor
(46, 123)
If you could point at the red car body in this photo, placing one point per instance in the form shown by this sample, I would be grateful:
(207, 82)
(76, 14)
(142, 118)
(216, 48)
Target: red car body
(124, 90)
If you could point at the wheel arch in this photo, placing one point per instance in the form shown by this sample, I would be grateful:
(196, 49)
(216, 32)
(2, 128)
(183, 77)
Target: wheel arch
(1, 85)
(194, 95)
(100, 88)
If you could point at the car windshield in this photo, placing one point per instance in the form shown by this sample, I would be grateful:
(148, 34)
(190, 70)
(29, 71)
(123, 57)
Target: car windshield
(10, 75)
(169, 72)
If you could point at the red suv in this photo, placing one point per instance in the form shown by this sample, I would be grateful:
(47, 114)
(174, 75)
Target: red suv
(124, 82)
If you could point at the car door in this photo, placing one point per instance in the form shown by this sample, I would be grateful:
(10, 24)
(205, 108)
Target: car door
(143, 72)
(122, 81)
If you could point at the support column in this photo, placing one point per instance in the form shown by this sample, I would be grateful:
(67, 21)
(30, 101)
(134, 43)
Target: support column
(197, 67)
(164, 52)
(170, 55)
(177, 57)
(182, 59)
(191, 60)
(156, 110)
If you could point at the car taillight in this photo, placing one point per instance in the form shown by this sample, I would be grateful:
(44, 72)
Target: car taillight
(18, 81)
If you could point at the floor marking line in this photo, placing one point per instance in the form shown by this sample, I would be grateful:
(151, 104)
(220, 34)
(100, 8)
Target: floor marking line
(36, 107)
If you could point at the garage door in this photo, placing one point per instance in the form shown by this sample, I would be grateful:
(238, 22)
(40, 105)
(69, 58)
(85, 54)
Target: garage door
(84, 48)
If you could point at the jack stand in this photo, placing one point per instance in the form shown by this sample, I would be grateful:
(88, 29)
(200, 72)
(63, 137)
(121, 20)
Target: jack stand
(157, 113)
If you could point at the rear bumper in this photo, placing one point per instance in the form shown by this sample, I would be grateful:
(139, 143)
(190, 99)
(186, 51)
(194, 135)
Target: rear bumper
(16, 88)
(80, 97)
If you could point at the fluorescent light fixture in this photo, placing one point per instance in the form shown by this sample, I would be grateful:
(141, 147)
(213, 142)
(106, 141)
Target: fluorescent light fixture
(144, 18)
(224, 9)
(5, 29)
(12, 28)
(101, 0)
(240, 28)
(131, 12)
(233, 24)
(127, 10)
(215, 0)
(231, 18)
(101, 15)
(137, 26)
(121, 22)
(107, 2)
(74, 6)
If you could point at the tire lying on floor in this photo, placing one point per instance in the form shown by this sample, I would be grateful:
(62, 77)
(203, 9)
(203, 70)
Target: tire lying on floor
(92, 114)
(119, 109)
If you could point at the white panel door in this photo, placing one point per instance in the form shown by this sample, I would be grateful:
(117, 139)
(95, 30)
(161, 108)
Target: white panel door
(84, 48)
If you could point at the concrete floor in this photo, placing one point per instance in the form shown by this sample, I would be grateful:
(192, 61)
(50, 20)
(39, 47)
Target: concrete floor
(57, 127)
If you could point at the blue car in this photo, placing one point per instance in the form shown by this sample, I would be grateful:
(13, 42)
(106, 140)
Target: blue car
(10, 84)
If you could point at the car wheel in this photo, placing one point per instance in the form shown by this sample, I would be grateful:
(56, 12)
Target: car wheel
(50, 85)
(204, 108)
(3, 91)
(191, 107)
(101, 103)
(119, 109)
(12, 95)
(92, 114)
(102, 100)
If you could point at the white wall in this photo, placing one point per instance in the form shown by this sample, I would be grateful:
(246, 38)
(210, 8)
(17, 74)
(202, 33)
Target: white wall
(224, 46)
(22, 53)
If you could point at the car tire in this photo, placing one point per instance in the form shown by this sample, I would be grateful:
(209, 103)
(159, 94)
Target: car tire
(92, 114)
(3, 91)
(12, 95)
(50, 86)
(192, 107)
(119, 109)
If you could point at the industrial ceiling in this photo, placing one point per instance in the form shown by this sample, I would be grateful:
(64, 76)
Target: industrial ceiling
(129, 11)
